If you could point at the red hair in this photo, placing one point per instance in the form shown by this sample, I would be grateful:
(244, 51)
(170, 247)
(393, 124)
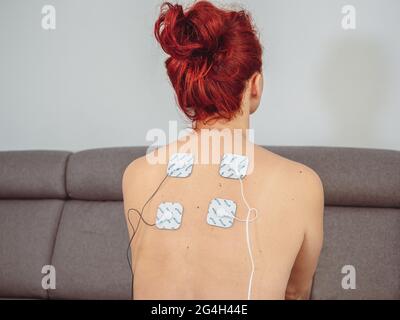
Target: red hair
(212, 53)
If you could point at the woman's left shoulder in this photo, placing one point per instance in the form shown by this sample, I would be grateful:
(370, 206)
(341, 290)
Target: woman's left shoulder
(289, 175)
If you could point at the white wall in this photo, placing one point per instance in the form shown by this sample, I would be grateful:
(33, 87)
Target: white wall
(98, 80)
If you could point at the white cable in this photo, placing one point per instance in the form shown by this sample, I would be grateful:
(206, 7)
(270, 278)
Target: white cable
(246, 203)
(249, 210)
(248, 239)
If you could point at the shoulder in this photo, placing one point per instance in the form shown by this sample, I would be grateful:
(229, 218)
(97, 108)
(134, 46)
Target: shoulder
(144, 168)
(139, 179)
(287, 169)
(293, 179)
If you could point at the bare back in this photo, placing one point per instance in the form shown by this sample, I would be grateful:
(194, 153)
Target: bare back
(200, 261)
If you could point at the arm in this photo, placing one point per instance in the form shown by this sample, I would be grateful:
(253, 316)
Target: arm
(301, 277)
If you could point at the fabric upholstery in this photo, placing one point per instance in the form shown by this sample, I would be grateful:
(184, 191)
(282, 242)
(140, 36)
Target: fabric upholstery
(33, 174)
(352, 177)
(65, 209)
(90, 253)
(367, 239)
(97, 174)
(28, 230)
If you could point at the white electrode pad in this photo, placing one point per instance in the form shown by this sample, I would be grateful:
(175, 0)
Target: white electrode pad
(180, 165)
(233, 166)
(221, 212)
(169, 215)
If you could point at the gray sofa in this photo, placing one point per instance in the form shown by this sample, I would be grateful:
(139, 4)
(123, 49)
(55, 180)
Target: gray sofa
(65, 209)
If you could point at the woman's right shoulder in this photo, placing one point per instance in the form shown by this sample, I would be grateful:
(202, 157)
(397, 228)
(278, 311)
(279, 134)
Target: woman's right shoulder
(144, 167)
(139, 179)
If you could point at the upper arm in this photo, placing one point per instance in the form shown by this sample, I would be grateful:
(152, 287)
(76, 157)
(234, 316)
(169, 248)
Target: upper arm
(312, 209)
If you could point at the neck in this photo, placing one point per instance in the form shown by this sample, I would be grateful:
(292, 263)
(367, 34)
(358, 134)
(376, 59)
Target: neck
(241, 121)
(231, 136)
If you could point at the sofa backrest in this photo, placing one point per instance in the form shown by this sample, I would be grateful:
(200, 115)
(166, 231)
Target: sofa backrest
(65, 209)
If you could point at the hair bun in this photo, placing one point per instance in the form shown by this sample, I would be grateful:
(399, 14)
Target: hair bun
(185, 35)
(212, 53)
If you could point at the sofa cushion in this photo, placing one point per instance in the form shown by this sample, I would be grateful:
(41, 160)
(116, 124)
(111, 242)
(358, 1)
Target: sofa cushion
(27, 232)
(368, 239)
(352, 177)
(36, 174)
(91, 252)
(96, 174)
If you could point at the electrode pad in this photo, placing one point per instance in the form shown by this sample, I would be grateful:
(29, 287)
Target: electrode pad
(233, 166)
(221, 212)
(180, 165)
(169, 215)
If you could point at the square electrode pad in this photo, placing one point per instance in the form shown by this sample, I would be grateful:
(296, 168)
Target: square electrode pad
(169, 215)
(221, 212)
(233, 166)
(180, 165)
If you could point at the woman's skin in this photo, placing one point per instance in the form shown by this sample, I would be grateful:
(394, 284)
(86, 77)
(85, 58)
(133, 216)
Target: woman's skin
(200, 261)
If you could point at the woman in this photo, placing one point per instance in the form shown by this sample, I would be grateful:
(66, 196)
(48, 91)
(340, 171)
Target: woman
(271, 249)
